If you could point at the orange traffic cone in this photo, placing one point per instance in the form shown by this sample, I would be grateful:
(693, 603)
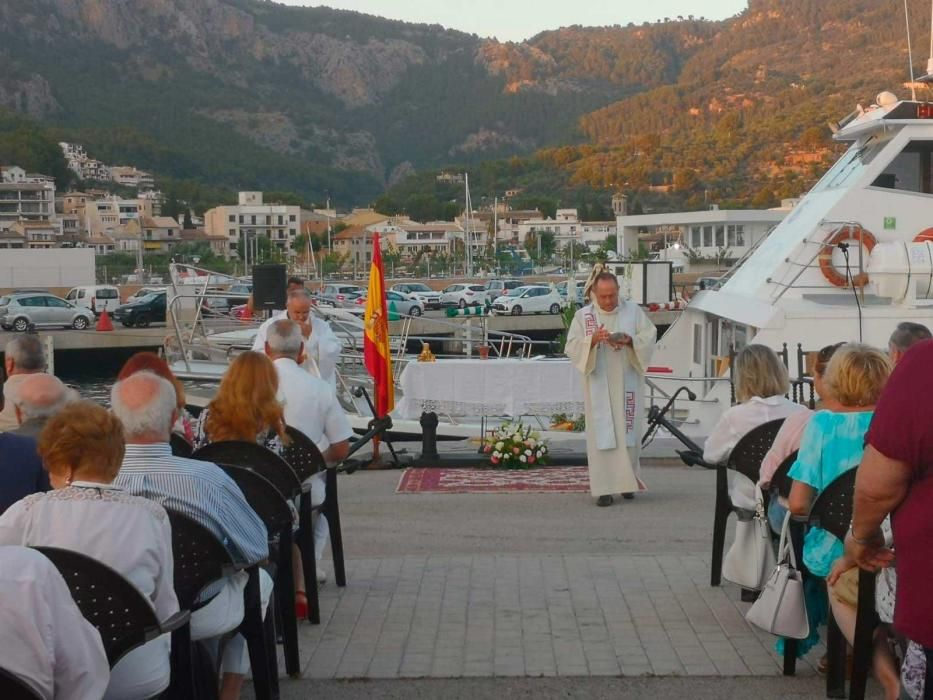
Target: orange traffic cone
(104, 323)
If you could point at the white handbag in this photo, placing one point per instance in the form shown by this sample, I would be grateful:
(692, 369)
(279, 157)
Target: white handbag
(781, 608)
(750, 559)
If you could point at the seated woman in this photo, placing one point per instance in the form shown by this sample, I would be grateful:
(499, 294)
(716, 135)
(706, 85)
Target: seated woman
(832, 444)
(82, 448)
(149, 361)
(247, 408)
(789, 436)
(761, 381)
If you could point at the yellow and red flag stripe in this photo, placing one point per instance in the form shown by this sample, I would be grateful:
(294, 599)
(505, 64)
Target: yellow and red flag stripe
(376, 354)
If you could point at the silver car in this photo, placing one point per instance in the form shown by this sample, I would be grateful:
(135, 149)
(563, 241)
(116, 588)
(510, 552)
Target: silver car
(20, 311)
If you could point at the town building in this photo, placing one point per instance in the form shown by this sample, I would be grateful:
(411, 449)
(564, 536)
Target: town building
(566, 227)
(252, 218)
(25, 196)
(36, 234)
(217, 244)
(128, 176)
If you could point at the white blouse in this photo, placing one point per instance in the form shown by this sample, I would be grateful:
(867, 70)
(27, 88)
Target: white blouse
(44, 639)
(733, 426)
(129, 534)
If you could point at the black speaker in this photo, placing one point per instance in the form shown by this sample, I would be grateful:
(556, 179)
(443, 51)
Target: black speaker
(269, 287)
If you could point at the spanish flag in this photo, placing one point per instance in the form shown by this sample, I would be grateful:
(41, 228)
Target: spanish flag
(376, 354)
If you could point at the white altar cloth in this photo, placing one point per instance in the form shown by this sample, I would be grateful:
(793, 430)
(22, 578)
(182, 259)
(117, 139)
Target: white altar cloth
(491, 388)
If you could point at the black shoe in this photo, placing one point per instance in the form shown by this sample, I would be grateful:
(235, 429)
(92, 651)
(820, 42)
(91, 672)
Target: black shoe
(628, 496)
(604, 501)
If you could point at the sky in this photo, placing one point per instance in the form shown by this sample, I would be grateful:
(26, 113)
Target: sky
(515, 20)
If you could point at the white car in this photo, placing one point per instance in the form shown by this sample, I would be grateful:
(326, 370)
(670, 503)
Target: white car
(427, 296)
(464, 295)
(532, 299)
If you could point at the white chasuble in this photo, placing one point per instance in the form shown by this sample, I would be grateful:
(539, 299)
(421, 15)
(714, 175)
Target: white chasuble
(613, 393)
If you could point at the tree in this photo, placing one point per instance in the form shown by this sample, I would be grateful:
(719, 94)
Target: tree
(188, 223)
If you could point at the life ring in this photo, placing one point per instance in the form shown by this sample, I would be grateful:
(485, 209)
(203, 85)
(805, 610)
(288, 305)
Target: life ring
(925, 235)
(847, 233)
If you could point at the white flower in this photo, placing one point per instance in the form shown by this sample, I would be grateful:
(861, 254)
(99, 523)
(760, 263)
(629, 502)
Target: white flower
(533, 442)
(539, 453)
(523, 458)
(528, 453)
(497, 455)
(517, 437)
(500, 445)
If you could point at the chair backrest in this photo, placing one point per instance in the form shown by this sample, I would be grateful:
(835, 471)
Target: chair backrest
(302, 454)
(200, 558)
(249, 455)
(122, 615)
(180, 446)
(747, 455)
(832, 510)
(263, 497)
(12, 687)
(781, 481)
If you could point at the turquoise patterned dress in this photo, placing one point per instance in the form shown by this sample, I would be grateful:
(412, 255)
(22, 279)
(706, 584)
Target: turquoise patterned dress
(832, 444)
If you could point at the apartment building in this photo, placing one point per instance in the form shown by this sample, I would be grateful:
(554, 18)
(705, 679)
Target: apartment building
(250, 218)
(25, 196)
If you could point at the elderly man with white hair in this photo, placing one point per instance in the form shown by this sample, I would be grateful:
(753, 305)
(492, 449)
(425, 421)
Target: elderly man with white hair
(37, 398)
(322, 347)
(146, 405)
(311, 407)
(23, 356)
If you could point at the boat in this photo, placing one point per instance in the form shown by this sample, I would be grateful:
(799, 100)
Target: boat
(852, 260)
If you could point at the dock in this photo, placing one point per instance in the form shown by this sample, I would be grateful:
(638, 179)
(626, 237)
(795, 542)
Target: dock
(87, 350)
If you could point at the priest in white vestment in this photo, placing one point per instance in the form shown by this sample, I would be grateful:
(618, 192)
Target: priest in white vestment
(611, 342)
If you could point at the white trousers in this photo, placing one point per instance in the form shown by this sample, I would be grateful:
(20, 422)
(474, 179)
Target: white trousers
(321, 528)
(225, 613)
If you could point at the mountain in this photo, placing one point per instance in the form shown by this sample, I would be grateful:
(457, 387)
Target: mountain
(254, 94)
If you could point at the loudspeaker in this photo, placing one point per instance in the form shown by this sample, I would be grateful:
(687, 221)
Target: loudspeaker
(269, 287)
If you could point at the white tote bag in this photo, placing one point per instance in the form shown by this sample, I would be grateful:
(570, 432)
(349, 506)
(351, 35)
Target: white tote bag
(781, 608)
(750, 559)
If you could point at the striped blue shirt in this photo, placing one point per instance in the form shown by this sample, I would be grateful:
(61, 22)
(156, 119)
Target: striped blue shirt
(200, 490)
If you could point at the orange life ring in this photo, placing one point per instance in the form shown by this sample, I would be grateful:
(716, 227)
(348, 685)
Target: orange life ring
(846, 233)
(925, 235)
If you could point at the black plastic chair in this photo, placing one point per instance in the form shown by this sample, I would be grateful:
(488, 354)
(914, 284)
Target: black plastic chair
(252, 456)
(180, 446)
(12, 687)
(200, 560)
(781, 482)
(745, 459)
(305, 458)
(267, 501)
(832, 511)
(122, 615)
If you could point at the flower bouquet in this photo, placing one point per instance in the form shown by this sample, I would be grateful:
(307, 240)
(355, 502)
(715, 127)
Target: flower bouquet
(515, 446)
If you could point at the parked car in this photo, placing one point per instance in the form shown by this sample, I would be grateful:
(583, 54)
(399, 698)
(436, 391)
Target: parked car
(427, 296)
(464, 295)
(19, 311)
(336, 294)
(239, 293)
(533, 299)
(498, 288)
(143, 291)
(143, 311)
(562, 290)
(95, 297)
(405, 304)
(707, 283)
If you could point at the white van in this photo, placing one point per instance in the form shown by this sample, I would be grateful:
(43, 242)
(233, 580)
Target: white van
(95, 297)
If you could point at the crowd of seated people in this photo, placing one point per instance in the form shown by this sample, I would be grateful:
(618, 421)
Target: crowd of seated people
(850, 380)
(77, 476)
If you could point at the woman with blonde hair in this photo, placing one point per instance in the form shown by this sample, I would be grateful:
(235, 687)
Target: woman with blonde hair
(761, 382)
(82, 449)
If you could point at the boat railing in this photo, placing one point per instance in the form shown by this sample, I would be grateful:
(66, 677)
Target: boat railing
(829, 229)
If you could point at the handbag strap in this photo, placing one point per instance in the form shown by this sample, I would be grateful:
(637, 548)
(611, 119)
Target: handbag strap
(786, 547)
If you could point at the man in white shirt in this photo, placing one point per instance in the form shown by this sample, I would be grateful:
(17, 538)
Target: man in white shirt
(45, 639)
(311, 407)
(322, 347)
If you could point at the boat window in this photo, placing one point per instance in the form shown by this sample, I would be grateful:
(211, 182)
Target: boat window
(697, 344)
(910, 171)
(851, 165)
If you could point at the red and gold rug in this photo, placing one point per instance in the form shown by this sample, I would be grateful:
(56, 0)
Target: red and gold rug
(544, 480)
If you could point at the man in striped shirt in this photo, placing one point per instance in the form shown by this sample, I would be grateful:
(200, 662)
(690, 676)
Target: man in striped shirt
(146, 405)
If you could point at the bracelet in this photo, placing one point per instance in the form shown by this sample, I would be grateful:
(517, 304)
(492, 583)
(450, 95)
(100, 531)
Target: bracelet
(868, 540)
